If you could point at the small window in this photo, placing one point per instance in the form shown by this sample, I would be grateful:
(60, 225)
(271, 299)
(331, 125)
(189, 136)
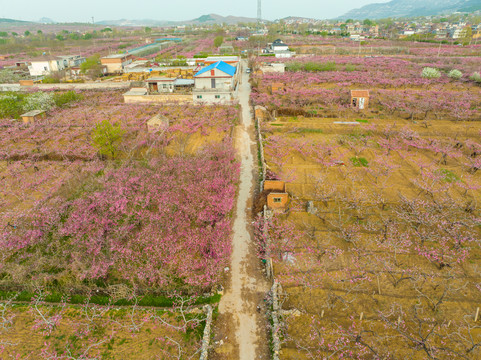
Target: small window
(217, 96)
(277, 200)
(199, 96)
(164, 86)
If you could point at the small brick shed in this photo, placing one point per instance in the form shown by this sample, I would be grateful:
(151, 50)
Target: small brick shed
(278, 198)
(360, 99)
(276, 87)
(33, 116)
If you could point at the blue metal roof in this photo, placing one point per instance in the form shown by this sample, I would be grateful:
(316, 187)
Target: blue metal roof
(222, 66)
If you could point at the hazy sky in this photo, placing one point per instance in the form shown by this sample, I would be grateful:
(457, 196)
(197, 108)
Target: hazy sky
(83, 10)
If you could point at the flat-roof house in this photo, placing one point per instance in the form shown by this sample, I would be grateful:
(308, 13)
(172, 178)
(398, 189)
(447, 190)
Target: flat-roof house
(50, 64)
(214, 83)
(46, 66)
(116, 62)
(165, 84)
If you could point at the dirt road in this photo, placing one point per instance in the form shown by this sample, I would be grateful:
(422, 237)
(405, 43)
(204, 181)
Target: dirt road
(241, 332)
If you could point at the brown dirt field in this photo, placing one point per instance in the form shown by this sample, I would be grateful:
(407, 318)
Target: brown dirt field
(365, 277)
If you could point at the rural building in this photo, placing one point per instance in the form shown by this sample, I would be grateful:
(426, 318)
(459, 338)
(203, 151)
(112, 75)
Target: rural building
(277, 201)
(231, 60)
(45, 66)
(116, 62)
(276, 87)
(164, 84)
(48, 65)
(72, 60)
(360, 99)
(277, 198)
(214, 83)
(160, 84)
(32, 116)
(279, 49)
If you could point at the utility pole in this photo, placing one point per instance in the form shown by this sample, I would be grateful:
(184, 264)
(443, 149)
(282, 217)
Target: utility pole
(259, 11)
(93, 22)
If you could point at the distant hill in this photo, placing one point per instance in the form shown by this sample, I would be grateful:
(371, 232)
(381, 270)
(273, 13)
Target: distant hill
(219, 19)
(201, 20)
(142, 22)
(410, 8)
(13, 21)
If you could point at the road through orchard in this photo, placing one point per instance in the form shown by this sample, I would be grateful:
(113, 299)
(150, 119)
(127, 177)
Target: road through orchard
(247, 287)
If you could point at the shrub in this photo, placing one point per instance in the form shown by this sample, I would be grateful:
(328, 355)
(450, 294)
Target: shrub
(359, 162)
(107, 137)
(39, 101)
(476, 77)
(448, 175)
(311, 66)
(62, 99)
(430, 73)
(8, 76)
(50, 80)
(455, 74)
(10, 106)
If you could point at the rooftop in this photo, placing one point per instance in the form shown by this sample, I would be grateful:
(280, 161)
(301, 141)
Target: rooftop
(115, 56)
(183, 82)
(221, 58)
(360, 93)
(222, 66)
(33, 113)
(156, 79)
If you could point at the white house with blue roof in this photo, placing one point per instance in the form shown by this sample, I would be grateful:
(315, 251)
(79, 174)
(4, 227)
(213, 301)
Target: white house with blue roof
(215, 83)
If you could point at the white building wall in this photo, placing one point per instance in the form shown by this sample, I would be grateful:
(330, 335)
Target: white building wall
(222, 80)
(211, 97)
(46, 67)
(38, 68)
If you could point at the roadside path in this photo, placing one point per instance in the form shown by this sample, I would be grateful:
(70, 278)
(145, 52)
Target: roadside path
(242, 327)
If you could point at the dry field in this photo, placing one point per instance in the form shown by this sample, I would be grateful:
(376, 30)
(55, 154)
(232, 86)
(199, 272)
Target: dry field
(378, 252)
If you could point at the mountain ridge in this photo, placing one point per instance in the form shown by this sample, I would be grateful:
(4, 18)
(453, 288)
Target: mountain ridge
(203, 19)
(410, 8)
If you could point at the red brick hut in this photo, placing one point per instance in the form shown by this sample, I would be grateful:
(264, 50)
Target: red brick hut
(278, 198)
(360, 99)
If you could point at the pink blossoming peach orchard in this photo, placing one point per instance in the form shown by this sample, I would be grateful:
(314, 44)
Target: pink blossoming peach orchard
(385, 265)
(147, 219)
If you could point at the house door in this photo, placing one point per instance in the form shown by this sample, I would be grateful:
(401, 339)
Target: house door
(361, 103)
(212, 83)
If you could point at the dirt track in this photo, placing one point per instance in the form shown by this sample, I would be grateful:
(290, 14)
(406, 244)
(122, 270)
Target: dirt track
(240, 330)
